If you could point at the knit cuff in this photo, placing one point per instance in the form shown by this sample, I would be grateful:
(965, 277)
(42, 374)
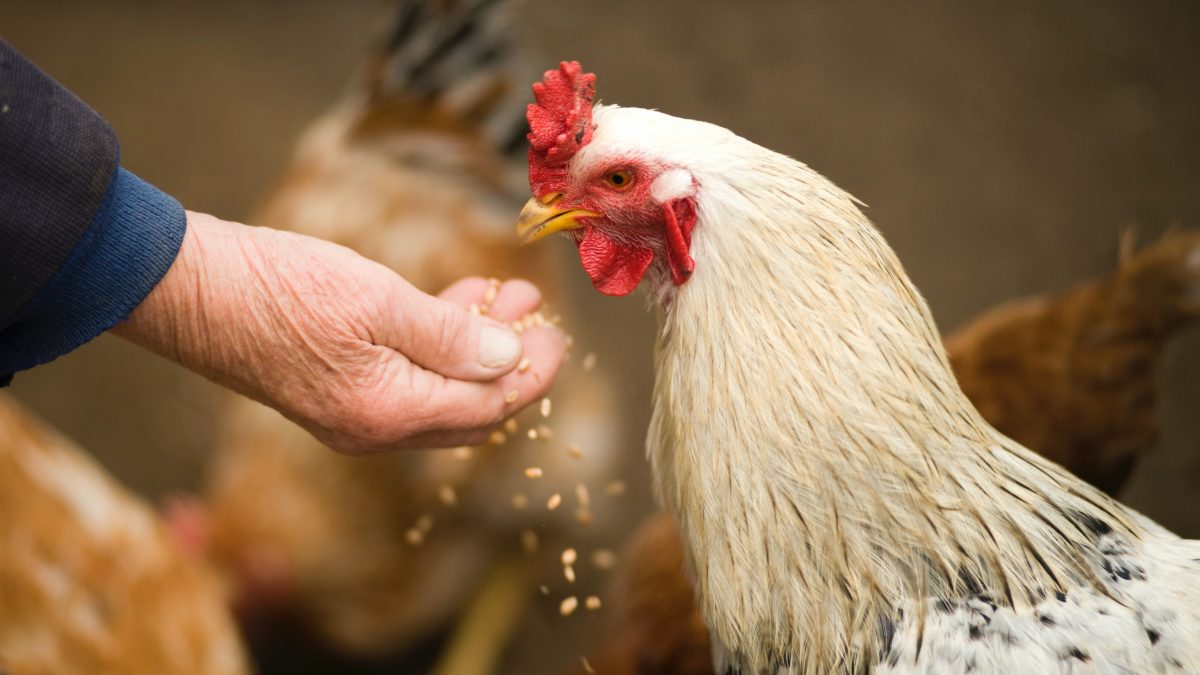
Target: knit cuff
(129, 245)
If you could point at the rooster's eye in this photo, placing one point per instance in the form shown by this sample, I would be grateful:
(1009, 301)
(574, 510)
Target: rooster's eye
(619, 180)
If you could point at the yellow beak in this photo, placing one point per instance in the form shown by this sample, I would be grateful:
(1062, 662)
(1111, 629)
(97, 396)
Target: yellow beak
(541, 217)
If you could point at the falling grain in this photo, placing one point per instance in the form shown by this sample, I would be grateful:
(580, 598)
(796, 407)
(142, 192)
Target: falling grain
(587, 667)
(519, 501)
(510, 426)
(589, 361)
(462, 453)
(497, 437)
(604, 559)
(544, 432)
(583, 496)
(574, 452)
(447, 495)
(529, 541)
(554, 501)
(569, 574)
(592, 603)
(533, 472)
(414, 536)
(546, 407)
(532, 434)
(568, 605)
(568, 556)
(544, 590)
(583, 517)
(425, 523)
(615, 488)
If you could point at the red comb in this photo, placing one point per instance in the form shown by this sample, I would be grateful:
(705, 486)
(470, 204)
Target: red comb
(560, 123)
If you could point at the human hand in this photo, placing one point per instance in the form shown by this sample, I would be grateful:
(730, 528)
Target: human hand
(341, 345)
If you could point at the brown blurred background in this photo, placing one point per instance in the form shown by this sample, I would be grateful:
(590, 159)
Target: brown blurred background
(1001, 147)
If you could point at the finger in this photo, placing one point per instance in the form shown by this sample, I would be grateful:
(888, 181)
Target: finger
(454, 412)
(443, 337)
(466, 292)
(515, 299)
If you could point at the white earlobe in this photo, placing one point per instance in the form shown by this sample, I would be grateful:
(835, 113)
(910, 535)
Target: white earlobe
(672, 185)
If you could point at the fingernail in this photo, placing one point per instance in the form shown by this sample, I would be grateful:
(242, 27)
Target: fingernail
(498, 347)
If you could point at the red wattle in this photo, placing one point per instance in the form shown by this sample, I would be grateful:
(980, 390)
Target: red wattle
(680, 217)
(614, 268)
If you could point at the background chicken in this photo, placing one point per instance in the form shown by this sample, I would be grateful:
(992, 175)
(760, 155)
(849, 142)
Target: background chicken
(842, 505)
(1071, 375)
(379, 555)
(90, 580)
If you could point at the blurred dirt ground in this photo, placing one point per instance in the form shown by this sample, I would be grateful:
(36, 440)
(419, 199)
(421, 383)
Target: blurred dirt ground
(1001, 147)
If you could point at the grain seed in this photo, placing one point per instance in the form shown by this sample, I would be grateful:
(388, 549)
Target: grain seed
(568, 605)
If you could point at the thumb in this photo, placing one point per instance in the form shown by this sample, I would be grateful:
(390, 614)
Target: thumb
(443, 337)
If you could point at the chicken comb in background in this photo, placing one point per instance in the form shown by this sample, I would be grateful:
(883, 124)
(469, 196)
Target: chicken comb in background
(380, 557)
(560, 123)
(90, 579)
(1071, 375)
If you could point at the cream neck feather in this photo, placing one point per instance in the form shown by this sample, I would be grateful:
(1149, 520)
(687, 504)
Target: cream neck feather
(825, 467)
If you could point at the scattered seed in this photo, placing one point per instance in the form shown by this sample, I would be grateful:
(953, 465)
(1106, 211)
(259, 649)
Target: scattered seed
(592, 602)
(512, 396)
(604, 559)
(523, 365)
(583, 517)
(519, 501)
(568, 556)
(414, 536)
(544, 590)
(532, 434)
(587, 666)
(589, 361)
(544, 432)
(554, 501)
(447, 495)
(510, 425)
(615, 488)
(545, 407)
(462, 452)
(569, 573)
(574, 452)
(568, 605)
(582, 495)
(497, 437)
(529, 541)
(533, 472)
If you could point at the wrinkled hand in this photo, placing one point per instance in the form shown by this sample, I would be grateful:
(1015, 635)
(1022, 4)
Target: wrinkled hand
(342, 345)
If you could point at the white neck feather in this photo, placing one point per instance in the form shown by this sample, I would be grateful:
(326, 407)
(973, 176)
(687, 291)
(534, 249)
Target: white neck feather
(824, 465)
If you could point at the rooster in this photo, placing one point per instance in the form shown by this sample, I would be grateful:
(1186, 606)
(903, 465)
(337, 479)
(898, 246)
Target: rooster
(90, 579)
(1071, 375)
(843, 506)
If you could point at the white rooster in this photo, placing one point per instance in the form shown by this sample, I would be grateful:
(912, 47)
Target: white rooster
(843, 506)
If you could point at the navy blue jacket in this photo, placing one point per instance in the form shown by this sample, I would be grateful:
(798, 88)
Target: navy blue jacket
(82, 241)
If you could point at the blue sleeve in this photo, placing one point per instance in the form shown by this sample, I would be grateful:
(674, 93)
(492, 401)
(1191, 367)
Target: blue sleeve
(82, 241)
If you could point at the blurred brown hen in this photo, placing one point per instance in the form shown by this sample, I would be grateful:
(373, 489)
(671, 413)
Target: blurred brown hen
(1071, 375)
(90, 580)
(377, 554)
